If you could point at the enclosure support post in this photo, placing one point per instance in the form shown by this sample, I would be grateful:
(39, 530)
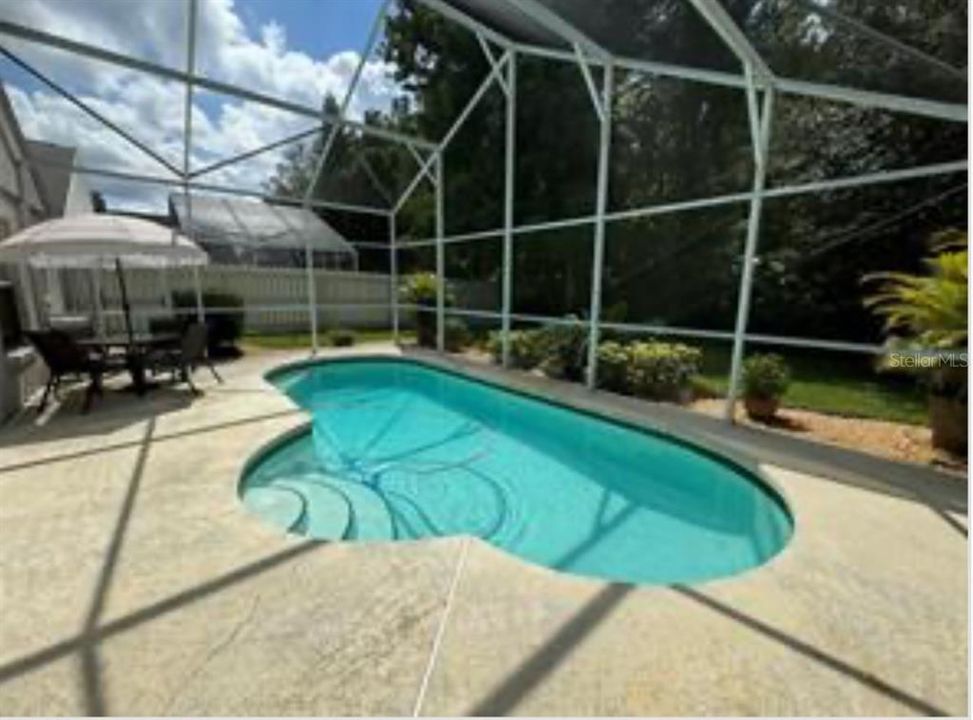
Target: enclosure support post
(440, 259)
(164, 287)
(198, 286)
(393, 279)
(26, 282)
(96, 293)
(508, 204)
(187, 149)
(601, 204)
(312, 299)
(760, 129)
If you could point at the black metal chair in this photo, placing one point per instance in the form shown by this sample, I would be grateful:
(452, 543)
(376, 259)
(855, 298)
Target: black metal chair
(183, 360)
(64, 357)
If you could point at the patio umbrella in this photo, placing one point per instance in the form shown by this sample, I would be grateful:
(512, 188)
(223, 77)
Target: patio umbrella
(95, 240)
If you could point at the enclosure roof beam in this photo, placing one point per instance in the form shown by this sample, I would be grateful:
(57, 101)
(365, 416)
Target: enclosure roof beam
(953, 112)
(362, 161)
(90, 111)
(205, 170)
(885, 39)
(209, 187)
(720, 20)
(492, 76)
(596, 99)
(492, 60)
(421, 161)
(47, 39)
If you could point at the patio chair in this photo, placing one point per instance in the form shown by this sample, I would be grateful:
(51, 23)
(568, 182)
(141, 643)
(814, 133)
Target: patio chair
(183, 360)
(64, 357)
(77, 326)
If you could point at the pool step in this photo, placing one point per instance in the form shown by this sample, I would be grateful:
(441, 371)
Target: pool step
(281, 507)
(370, 518)
(327, 512)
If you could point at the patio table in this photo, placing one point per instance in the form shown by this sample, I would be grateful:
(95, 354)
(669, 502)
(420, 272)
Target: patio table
(136, 348)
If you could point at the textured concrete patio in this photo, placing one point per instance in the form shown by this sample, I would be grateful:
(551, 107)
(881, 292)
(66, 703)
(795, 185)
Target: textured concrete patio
(133, 582)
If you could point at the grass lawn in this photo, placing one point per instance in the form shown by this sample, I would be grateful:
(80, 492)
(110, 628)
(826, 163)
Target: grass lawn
(830, 382)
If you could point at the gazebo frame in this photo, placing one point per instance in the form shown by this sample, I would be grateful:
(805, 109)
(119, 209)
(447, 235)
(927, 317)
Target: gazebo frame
(758, 84)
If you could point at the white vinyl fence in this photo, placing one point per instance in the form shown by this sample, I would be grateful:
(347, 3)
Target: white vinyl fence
(274, 300)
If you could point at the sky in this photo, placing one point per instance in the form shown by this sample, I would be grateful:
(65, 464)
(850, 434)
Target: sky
(297, 50)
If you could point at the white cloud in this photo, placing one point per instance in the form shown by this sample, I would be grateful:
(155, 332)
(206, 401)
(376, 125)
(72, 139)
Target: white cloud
(152, 109)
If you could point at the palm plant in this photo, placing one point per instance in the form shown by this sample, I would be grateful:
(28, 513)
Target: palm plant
(931, 309)
(929, 312)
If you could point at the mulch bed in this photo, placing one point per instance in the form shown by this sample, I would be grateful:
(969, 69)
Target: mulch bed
(895, 441)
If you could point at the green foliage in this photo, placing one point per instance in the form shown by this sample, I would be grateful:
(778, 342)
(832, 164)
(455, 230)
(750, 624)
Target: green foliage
(456, 335)
(420, 289)
(528, 348)
(930, 309)
(765, 376)
(565, 350)
(225, 324)
(341, 338)
(662, 371)
(613, 361)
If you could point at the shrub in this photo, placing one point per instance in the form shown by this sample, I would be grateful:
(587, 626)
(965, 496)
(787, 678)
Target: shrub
(613, 362)
(456, 335)
(225, 326)
(765, 376)
(564, 349)
(419, 289)
(494, 346)
(341, 338)
(662, 371)
(527, 348)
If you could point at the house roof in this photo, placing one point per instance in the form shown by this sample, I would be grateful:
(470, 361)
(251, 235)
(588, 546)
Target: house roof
(52, 162)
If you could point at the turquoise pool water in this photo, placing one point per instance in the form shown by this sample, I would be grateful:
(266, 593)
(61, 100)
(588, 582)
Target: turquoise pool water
(398, 450)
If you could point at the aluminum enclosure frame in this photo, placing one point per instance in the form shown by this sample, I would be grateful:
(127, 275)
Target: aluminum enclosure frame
(755, 81)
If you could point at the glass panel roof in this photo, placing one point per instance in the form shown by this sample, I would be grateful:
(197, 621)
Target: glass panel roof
(239, 221)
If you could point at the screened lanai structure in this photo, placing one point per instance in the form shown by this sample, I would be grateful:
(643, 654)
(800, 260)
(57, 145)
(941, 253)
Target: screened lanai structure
(724, 170)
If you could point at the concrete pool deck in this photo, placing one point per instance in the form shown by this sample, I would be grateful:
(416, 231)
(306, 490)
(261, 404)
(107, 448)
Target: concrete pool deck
(133, 582)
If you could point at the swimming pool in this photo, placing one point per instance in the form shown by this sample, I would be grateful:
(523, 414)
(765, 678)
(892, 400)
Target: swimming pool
(399, 450)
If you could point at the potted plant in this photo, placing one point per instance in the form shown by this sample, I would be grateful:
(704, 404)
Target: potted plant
(765, 380)
(926, 319)
(421, 290)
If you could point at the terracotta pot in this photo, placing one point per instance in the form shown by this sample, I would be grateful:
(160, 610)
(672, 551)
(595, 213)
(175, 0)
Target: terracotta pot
(761, 408)
(948, 422)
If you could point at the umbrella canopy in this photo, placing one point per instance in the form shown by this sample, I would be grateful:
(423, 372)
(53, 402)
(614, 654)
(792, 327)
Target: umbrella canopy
(97, 239)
